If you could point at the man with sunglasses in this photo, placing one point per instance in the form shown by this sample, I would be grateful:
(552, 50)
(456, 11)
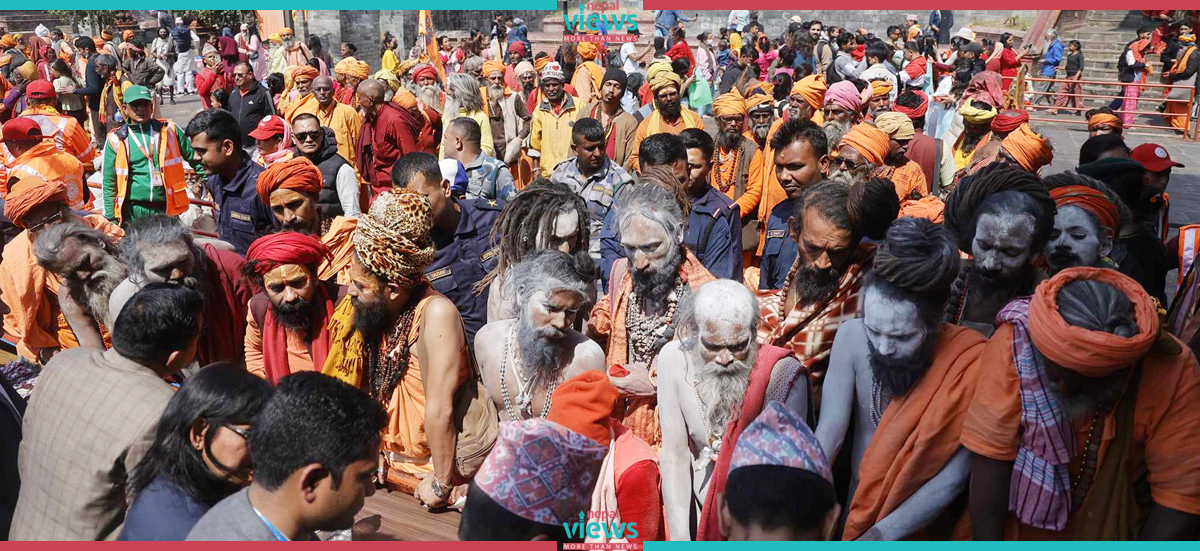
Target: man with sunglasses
(250, 101)
(340, 191)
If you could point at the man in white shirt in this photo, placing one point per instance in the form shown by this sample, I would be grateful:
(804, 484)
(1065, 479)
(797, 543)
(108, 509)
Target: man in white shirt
(876, 56)
(738, 19)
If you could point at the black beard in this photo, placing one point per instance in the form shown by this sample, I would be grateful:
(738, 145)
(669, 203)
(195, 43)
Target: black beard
(671, 110)
(541, 353)
(653, 286)
(813, 284)
(1061, 260)
(1081, 396)
(898, 375)
(528, 87)
(728, 141)
(993, 283)
(293, 315)
(370, 320)
(303, 226)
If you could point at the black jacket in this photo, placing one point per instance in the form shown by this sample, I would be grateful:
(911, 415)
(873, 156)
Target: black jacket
(250, 109)
(328, 160)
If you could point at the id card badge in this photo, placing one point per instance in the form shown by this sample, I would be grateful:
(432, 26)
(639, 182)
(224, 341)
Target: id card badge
(156, 180)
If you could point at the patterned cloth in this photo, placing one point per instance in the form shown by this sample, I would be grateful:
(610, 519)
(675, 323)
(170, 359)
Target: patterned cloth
(1040, 491)
(778, 437)
(541, 471)
(597, 190)
(393, 239)
(809, 331)
(489, 178)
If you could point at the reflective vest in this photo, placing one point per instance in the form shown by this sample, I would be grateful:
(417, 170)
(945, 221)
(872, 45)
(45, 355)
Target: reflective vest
(46, 161)
(68, 135)
(169, 163)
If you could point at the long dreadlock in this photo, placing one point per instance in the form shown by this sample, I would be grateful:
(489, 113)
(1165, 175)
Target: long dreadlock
(532, 212)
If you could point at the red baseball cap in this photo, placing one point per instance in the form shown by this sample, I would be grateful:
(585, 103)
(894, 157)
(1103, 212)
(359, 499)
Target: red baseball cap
(22, 128)
(40, 89)
(1154, 157)
(269, 127)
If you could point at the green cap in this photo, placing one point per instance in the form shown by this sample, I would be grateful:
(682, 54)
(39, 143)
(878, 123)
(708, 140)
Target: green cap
(135, 93)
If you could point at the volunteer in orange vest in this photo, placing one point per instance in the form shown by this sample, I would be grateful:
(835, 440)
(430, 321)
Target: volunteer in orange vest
(143, 164)
(34, 155)
(69, 136)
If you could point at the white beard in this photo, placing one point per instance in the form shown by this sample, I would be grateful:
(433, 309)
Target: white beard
(722, 388)
(100, 287)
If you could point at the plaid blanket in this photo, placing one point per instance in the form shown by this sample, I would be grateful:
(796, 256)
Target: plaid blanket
(1040, 490)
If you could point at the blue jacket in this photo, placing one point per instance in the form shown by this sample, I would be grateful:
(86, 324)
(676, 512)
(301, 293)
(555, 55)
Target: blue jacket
(1054, 56)
(779, 251)
(162, 512)
(243, 214)
(666, 19)
(464, 258)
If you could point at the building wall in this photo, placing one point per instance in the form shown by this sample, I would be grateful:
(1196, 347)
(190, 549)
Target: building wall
(876, 21)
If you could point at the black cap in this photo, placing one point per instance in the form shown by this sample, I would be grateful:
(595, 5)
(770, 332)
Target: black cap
(618, 75)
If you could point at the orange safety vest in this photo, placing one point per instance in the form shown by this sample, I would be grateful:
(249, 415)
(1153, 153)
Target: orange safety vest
(47, 162)
(68, 135)
(170, 164)
(1189, 238)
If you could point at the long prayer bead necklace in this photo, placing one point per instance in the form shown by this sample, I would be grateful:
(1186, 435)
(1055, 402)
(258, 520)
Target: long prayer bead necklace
(722, 184)
(649, 333)
(524, 390)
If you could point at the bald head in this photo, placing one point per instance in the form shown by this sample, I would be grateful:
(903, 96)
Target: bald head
(322, 89)
(370, 96)
(725, 301)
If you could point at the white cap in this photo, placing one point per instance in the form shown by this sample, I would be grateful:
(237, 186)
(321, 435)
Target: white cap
(965, 33)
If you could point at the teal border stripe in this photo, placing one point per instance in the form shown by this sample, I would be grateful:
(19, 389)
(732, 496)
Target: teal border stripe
(459, 5)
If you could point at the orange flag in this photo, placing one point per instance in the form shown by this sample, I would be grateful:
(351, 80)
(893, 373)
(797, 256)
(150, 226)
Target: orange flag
(429, 35)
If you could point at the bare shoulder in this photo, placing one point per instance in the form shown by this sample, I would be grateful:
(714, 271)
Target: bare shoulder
(672, 363)
(588, 354)
(440, 310)
(490, 338)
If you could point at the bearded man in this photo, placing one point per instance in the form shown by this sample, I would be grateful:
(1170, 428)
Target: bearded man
(344, 120)
(881, 98)
(507, 115)
(1088, 218)
(907, 377)
(910, 181)
(669, 115)
(842, 109)
(1002, 216)
(588, 77)
(620, 127)
(760, 110)
(860, 154)
(295, 51)
(293, 190)
(718, 374)
(1065, 383)
(297, 89)
(464, 98)
(550, 133)
(399, 340)
(801, 162)
(738, 168)
(425, 87)
(287, 326)
(977, 131)
(355, 73)
(522, 361)
(806, 99)
(823, 287)
(637, 318)
(29, 292)
(89, 264)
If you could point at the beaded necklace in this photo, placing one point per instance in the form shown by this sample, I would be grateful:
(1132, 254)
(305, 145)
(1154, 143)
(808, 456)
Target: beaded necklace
(386, 369)
(598, 114)
(524, 393)
(649, 333)
(878, 403)
(723, 182)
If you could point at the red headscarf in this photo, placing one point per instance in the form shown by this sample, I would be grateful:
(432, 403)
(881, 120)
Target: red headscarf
(1008, 120)
(914, 112)
(986, 87)
(279, 249)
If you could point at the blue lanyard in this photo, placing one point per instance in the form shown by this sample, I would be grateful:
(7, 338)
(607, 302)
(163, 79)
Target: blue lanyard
(274, 531)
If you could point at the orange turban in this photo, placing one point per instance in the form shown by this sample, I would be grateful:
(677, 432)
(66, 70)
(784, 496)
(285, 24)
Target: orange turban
(405, 99)
(588, 50)
(492, 66)
(541, 63)
(358, 69)
(8, 41)
(126, 35)
(30, 193)
(297, 173)
(341, 66)
(1106, 119)
(767, 87)
(812, 89)
(584, 405)
(106, 34)
(1090, 353)
(1091, 200)
(659, 75)
(868, 141)
(729, 105)
(304, 72)
(881, 88)
(755, 100)
(928, 207)
(1028, 148)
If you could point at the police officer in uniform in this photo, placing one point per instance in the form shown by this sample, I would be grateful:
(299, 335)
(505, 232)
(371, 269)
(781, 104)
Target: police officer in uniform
(461, 236)
(779, 250)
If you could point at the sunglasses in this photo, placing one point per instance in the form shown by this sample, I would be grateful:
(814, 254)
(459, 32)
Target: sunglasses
(244, 433)
(842, 161)
(53, 218)
(315, 135)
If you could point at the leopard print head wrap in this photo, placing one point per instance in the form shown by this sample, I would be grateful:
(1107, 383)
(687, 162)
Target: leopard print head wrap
(392, 239)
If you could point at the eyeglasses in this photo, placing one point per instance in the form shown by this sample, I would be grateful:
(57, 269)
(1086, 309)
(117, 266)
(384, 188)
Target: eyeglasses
(244, 433)
(241, 75)
(315, 135)
(53, 218)
(842, 161)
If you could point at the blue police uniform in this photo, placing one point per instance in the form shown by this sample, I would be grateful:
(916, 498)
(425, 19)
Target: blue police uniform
(242, 213)
(779, 251)
(465, 258)
(714, 235)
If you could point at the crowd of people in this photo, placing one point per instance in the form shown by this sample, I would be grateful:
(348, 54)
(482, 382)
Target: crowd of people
(534, 288)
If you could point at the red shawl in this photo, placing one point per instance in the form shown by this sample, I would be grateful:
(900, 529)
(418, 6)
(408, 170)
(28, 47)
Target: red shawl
(752, 405)
(222, 339)
(274, 335)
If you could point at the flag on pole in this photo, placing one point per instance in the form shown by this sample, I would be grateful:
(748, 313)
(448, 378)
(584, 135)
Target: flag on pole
(429, 35)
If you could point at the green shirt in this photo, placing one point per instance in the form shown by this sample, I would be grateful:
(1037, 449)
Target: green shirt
(139, 168)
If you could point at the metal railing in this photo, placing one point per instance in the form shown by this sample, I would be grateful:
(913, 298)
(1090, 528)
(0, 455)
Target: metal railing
(1191, 130)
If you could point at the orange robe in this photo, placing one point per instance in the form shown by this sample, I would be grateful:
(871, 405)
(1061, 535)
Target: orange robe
(341, 249)
(918, 433)
(31, 294)
(748, 202)
(928, 207)
(1166, 422)
(909, 179)
(654, 124)
(587, 80)
(640, 414)
(297, 350)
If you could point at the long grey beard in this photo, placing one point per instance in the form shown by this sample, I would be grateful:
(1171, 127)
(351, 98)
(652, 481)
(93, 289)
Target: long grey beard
(541, 354)
(429, 95)
(722, 388)
(97, 290)
(761, 130)
(495, 93)
(834, 132)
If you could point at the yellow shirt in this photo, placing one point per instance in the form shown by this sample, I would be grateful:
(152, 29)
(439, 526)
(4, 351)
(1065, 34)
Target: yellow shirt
(550, 134)
(485, 130)
(389, 61)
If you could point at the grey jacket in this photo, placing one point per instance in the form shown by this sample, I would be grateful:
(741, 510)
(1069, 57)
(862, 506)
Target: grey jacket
(233, 519)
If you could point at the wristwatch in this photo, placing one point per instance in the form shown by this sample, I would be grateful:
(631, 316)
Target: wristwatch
(440, 490)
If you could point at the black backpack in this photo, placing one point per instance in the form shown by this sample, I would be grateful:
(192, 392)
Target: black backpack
(831, 73)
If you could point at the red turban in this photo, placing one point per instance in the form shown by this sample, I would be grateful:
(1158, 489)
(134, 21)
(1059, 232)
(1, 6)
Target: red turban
(914, 112)
(297, 173)
(1091, 200)
(584, 405)
(424, 71)
(289, 247)
(1008, 120)
(30, 193)
(870, 142)
(518, 47)
(1090, 353)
